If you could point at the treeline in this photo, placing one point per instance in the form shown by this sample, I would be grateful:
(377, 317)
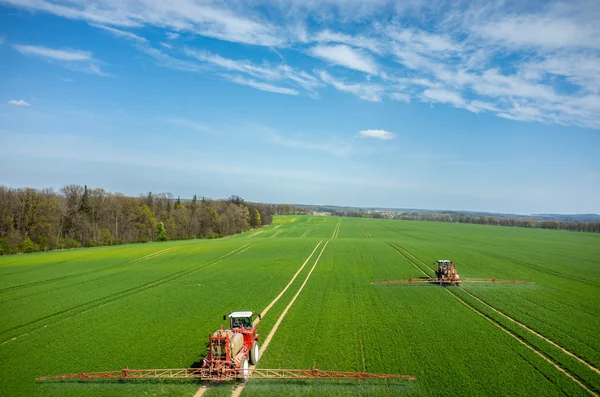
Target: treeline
(43, 219)
(592, 227)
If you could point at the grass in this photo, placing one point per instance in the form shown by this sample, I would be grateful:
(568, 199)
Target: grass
(153, 306)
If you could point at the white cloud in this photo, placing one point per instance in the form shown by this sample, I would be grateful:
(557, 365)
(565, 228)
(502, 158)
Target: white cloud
(19, 102)
(345, 56)
(61, 55)
(550, 31)
(528, 63)
(268, 72)
(168, 61)
(261, 85)
(80, 61)
(367, 91)
(233, 65)
(120, 33)
(377, 134)
(422, 41)
(444, 96)
(328, 36)
(208, 19)
(578, 68)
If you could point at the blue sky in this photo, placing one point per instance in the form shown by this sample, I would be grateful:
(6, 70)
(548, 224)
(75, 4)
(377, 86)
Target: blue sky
(440, 105)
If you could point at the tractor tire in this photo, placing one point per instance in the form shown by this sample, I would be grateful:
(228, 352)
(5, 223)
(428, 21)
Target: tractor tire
(254, 353)
(244, 370)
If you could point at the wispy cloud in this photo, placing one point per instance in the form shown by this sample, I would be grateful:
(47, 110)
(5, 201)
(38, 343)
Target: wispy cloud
(263, 75)
(346, 56)
(360, 41)
(51, 53)
(202, 18)
(81, 61)
(364, 90)
(19, 102)
(261, 85)
(120, 33)
(168, 61)
(548, 30)
(443, 96)
(377, 134)
(524, 63)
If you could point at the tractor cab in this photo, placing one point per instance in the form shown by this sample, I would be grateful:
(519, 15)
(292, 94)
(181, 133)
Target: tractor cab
(446, 270)
(242, 323)
(240, 320)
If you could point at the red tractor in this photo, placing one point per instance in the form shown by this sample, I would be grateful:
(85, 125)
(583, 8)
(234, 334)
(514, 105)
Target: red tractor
(446, 272)
(232, 350)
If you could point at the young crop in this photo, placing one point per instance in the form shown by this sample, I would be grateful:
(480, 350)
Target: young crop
(153, 306)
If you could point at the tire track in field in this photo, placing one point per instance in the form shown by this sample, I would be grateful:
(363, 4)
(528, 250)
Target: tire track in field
(96, 279)
(204, 388)
(336, 231)
(291, 230)
(238, 390)
(525, 343)
(408, 259)
(276, 234)
(62, 278)
(270, 305)
(85, 251)
(150, 256)
(529, 265)
(306, 233)
(567, 352)
(515, 321)
(95, 303)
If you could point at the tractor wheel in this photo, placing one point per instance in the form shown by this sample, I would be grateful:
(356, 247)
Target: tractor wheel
(254, 354)
(244, 371)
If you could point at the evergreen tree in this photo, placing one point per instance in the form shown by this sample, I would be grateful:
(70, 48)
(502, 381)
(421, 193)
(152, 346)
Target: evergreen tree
(85, 201)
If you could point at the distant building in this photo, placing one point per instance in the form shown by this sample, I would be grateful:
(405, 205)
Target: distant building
(315, 213)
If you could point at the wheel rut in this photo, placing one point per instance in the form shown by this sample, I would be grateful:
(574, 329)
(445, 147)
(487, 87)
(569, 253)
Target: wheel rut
(406, 254)
(62, 278)
(238, 390)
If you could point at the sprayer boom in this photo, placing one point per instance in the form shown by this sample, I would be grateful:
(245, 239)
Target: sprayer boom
(222, 375)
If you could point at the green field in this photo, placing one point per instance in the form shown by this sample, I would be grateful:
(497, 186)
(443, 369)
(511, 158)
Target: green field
(153, 306)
